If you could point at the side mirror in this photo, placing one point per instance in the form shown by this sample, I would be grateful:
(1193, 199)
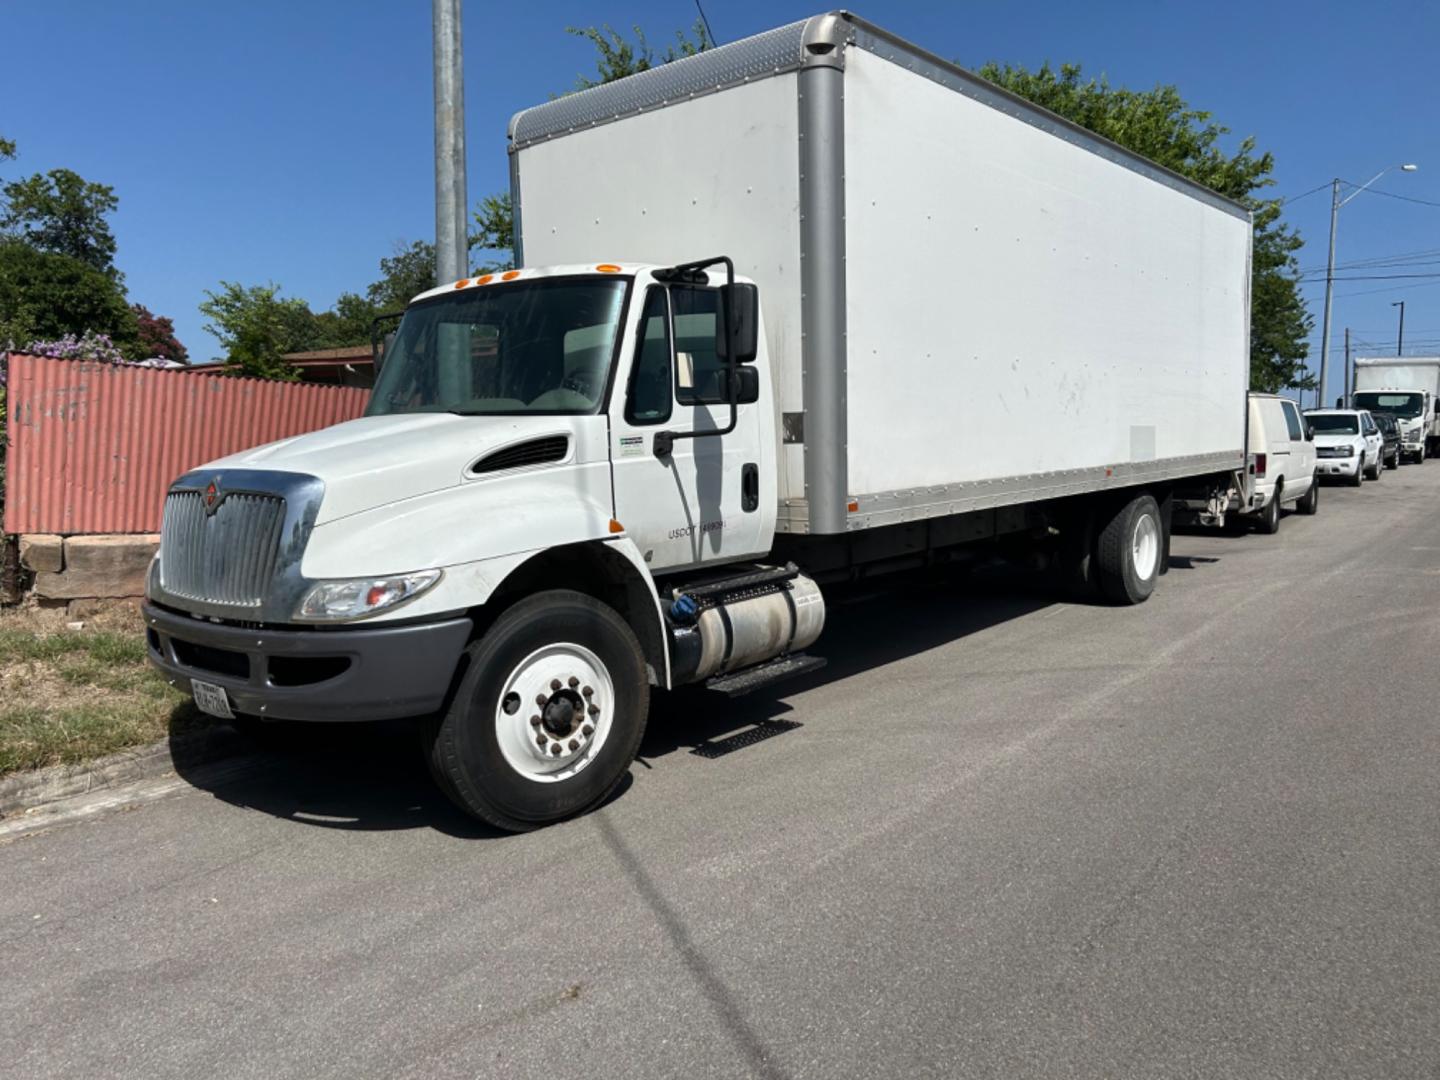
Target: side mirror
(742, 303)
(747, 385)
(1309, 433)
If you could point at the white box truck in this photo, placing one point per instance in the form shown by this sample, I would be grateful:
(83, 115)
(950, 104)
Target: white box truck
(942, 316)
(1408, 388)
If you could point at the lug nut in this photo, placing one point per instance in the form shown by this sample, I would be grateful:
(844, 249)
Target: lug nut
(573, 682)
(554, 684)
(555, 748)
(587, 731)
(587, 691)
(540, 740)
(574, 744)
(534, 721)
(541, 699)
(594, 710)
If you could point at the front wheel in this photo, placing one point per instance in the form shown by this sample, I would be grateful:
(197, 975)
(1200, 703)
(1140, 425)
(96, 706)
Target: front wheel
(1359, 477)
(548, 715)
(1377, 469)
(1128, 551)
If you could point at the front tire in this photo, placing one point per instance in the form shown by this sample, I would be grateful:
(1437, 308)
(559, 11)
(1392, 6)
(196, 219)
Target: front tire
(1128, 551)
(548, 715)
(1359, 477)
(1377, 469)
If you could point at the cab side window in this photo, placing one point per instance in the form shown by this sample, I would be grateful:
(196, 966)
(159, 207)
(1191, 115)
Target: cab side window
(649, 399)
(699, 374)
(1292, 422)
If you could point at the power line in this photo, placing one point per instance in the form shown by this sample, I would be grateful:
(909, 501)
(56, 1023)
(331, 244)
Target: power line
(1405, 198)
(708, 32)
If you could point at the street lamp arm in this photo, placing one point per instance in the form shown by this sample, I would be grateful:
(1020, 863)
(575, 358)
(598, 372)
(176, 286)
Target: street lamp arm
(1362, 187)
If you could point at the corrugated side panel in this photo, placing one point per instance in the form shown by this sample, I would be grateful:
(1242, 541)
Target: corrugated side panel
(94, 447)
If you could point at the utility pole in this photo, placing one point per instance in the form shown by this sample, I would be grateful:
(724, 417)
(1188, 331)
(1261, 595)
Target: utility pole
(452, 254)
(1400, 345)
(1329, 283)
(1348, 377)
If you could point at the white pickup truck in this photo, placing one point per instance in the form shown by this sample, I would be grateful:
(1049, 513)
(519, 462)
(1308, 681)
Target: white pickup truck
(623, 468)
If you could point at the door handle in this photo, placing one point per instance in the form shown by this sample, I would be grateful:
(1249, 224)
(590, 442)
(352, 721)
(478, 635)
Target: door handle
(750, 487)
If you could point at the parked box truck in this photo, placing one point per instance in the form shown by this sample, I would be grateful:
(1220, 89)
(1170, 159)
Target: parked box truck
(795, 311)
(1408, 388)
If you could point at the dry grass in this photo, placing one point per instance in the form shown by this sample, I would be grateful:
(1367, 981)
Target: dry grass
(72, 695)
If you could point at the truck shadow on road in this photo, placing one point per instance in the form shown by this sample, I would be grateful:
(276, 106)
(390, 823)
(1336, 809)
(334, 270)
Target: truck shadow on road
(372, 777)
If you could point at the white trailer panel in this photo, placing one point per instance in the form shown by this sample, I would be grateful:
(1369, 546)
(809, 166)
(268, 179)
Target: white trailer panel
(969, 302)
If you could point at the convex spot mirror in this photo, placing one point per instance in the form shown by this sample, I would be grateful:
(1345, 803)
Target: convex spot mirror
(747, 386)
(742, 302)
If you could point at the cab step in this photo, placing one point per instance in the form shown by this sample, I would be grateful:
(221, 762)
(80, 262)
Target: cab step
(759, 578)
(738, 683)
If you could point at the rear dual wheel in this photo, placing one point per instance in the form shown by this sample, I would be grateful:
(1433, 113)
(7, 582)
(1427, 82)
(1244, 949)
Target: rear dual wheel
(548, 715)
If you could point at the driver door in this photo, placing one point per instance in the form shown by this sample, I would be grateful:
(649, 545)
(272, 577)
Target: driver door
(702, 502)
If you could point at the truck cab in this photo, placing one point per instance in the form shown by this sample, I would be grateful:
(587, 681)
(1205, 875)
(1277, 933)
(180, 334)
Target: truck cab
(566, 435)
(1414, 413)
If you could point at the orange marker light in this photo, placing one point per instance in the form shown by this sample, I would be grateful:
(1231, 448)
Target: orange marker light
(509, 275)
(853, 506)
(484, 280)
(462, 283)
(616, 527)
(608, 268)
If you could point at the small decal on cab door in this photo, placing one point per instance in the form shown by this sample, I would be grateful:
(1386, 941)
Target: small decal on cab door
(631, 446)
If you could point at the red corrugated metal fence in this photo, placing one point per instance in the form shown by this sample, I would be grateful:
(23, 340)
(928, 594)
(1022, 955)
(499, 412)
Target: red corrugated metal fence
(93, 446)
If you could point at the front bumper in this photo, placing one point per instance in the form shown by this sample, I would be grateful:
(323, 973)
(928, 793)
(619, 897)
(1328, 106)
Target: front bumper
(1337, 466)
(360, 673)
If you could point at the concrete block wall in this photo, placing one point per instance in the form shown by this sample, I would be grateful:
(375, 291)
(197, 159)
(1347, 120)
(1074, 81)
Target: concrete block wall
(86, 573)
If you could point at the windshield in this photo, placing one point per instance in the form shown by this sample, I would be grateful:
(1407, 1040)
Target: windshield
(534, 347)
(1334, 423)
(1385, 421)
(1406, 405)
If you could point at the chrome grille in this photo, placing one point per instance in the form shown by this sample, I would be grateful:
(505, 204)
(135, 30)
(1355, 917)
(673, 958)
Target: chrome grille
(227, 557)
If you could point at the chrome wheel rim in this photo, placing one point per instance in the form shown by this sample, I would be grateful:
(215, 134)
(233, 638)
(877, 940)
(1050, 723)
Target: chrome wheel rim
(555, 712)
(1145, 547)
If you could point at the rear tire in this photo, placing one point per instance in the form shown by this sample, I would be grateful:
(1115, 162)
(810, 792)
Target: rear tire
(1270, 516)
(1128, 551)
(486, 751)
(1310, 502)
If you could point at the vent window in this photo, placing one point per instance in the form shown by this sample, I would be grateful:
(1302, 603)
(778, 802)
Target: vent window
(544, 451)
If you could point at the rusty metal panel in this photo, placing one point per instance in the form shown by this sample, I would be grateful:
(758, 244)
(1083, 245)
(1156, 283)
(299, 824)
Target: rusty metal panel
(93, 447)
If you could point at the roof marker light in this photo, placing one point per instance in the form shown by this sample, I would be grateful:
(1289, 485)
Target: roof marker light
(509, 275)
(462, 283)
(485, 280)
(608, 268)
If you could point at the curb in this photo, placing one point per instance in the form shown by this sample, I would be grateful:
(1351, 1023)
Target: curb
(27, 791)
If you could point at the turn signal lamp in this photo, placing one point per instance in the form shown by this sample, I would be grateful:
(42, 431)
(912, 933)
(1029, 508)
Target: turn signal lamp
(1259, 465)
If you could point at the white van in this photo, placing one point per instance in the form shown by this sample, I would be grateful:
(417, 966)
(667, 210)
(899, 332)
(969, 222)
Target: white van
(1280, 464)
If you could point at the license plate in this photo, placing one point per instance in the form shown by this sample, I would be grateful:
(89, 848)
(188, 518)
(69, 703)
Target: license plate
(211, 699)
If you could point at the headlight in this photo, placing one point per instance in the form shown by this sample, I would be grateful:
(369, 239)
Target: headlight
(152, 576)
(361, 597)
(1344, 451)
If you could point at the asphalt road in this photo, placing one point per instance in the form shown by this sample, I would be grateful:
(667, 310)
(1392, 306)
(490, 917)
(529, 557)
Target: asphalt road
(999, 837)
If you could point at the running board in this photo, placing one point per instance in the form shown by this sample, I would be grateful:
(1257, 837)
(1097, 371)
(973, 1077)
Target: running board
(739, 683)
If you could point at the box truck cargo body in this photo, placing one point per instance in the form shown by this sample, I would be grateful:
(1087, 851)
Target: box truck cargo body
(969, 302)
(803, 309)
(1407, 387)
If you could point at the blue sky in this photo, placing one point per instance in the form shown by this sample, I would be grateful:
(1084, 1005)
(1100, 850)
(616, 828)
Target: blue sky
(291, 142)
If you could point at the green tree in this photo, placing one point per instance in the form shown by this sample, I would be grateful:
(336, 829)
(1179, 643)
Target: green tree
(62, 213)
(1163, 127)
(347, 323)
(409, 271)
(494, 233)
(44, 296)
(616, 57)
(257, 327)
(7, 149)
